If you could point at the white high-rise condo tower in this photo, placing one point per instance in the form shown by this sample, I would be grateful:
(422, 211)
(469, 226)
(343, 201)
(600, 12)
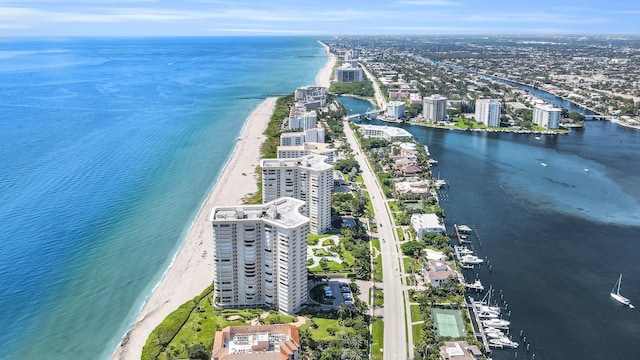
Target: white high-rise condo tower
(260, 255)
(488, 112)
(308, 178)
(547, 116)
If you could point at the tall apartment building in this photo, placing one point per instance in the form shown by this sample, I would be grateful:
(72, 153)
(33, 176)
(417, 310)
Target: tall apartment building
(395, 109)
(292, 138)
(435, 108)
(301, 119)
(311, 97)
(315, 135)
(308, 178)
(348, 73)
(547, 116)
(488, 112)
(260, 255)
(308, 148)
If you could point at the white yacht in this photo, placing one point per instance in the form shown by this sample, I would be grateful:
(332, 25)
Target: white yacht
(471, 259)
(503, 342)
(464, 229)
(487, 315)
(496, 323)
(463, 250)
(476, 285)
(493, 332)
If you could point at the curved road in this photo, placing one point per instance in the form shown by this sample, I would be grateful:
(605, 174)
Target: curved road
(396, 343)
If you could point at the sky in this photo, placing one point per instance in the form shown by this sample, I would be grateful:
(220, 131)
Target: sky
(315, 18)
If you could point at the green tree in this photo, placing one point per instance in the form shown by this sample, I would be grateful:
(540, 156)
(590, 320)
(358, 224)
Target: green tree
(412, 248)
(198, 351)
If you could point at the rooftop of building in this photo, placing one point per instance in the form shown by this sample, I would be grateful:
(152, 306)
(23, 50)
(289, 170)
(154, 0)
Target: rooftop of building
(459, 350)
(426, 221)
(390, 130)
(309, 146)
(312, 161)
(268, 342)
(284, 212)
(547, 107)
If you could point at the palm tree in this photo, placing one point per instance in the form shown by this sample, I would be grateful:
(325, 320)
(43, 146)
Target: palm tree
(342, 311)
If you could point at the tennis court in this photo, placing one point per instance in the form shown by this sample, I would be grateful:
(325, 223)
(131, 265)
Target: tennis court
(448, 323)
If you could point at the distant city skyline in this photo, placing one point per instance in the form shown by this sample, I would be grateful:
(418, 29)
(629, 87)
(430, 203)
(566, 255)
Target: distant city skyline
(330, 17)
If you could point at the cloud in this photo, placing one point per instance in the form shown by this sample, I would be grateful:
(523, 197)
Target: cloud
(532, 17)
(265, 31)
(429, 2)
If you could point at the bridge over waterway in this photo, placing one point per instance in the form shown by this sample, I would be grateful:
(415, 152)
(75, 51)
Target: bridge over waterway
(355, 116)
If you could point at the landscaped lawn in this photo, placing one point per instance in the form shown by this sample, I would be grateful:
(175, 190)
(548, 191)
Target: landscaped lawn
(377, 268)
(346, 255)
(378, 299)
(416, 331)
(410, 265)
(320, 252)
(415, 313)
(377, 339)
(324, 326)
(328, 242)
(279, 319)
(376, 243)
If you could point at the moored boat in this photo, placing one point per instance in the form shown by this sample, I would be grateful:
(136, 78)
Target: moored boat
(496, 323)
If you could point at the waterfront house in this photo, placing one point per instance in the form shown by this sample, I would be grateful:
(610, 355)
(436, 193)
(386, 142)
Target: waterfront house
(459, 350)
(438, 272)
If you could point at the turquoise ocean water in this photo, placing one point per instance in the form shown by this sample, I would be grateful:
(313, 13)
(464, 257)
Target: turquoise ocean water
(108, 148)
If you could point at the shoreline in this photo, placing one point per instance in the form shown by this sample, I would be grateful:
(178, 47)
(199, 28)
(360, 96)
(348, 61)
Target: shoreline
(191, 269)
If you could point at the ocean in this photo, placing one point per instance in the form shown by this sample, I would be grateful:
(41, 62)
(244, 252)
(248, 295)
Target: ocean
(556, 237)
(108, 148)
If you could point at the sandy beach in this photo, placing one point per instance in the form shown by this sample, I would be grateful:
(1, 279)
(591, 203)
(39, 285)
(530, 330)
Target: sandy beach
(324, 75)
(191, 271)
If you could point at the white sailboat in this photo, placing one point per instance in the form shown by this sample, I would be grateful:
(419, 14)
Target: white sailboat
(615, 294)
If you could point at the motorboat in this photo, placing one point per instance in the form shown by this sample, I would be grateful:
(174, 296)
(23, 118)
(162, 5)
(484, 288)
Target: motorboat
(543, 164)
(476, 285)
(503, 342)
(464, 229)
(493, 309)
(615, 294)
(471, 259)
(493, 332)
(586, 169)
(487, 315)
(496, 323)
(463, 250)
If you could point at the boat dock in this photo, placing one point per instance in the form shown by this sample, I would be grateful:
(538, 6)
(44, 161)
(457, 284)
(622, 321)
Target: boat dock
(478, 331)
(460, 234)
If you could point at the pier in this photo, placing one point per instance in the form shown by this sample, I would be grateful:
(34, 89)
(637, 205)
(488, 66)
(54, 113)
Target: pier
(459, 236)
(478, 331)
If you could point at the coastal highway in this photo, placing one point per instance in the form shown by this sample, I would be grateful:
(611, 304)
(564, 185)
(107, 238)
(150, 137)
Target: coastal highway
(381, 100)
(396, 343)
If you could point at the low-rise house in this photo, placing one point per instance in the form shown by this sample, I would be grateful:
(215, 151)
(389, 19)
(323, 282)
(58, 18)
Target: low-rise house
(438, 272)
(459, 350)
(412, 189)
(423, 223)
